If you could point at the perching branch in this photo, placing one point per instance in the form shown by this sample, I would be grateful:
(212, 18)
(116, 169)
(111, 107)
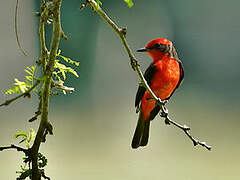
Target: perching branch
(122, 34)
(27, 93)
(185, 129)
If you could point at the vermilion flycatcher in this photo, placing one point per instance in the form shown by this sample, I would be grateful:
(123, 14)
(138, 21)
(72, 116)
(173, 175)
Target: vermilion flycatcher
(163, 76)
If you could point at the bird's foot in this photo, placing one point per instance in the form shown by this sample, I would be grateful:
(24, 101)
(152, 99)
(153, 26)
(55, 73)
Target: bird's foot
(161, 102)
(164, 112)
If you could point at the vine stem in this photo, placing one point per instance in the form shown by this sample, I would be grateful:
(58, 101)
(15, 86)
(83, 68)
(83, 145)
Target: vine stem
(122, 34)
(54, 10)
(16, 29)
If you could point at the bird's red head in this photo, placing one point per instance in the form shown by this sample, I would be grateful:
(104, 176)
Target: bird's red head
(157, 48)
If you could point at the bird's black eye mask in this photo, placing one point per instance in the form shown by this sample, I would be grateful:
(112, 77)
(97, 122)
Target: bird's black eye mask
(166, 48)
(161, 47)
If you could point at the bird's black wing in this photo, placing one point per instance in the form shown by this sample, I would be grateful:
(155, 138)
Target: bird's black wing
(148, 75)
(181, 73)
(180, 78)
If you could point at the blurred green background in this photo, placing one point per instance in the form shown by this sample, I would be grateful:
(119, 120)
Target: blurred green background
(93, 127)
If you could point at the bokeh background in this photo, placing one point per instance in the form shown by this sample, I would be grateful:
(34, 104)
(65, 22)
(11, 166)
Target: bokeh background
(93, 127)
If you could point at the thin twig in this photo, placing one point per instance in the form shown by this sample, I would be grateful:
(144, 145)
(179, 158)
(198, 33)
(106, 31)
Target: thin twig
(122, 34)
(21, 95)
(43, 175)
(16, 29)
(26, 151)
(61, 87)
(186, 130)
(38, 112)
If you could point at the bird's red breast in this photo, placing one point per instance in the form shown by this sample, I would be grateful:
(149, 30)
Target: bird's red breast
(163, 83)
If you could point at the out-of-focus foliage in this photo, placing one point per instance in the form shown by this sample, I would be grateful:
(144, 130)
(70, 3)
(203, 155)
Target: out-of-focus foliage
(22, 86)
(61, 69)
(129, 3)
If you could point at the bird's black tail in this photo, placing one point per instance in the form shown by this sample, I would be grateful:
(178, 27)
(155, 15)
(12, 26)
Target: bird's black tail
(141, 134)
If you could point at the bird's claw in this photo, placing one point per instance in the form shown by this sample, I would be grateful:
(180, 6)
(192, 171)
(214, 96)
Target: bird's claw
(164, 112)
(161, 102)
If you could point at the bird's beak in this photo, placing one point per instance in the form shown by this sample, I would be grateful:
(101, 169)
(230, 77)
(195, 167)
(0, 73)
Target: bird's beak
(142, 50)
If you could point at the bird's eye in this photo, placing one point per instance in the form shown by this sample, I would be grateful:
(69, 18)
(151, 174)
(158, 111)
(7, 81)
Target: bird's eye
(161, 47)
(157, 46)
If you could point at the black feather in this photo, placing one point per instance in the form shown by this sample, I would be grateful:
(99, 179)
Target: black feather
(145, 135)
(148, 75)
(154, 112)
(136, 141)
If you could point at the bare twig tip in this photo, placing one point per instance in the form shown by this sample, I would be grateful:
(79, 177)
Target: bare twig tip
(32, 119)
(64, 36)
(84, 5)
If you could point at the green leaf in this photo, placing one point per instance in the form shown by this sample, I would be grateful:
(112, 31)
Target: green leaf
(20, 86)
(26, 137)
(99, 2)
(20, 134)
(129, 3)
(12, 90)
(42, 160)
(55, 74)
(25, 174)
(32, 134)
(64, 69)
(73, 72)
(29, 78)
(66, 59)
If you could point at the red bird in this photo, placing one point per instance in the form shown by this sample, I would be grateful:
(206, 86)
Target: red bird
(164, 75)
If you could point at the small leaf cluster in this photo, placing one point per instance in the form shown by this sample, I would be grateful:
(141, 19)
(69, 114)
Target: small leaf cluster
(26, 137)
(25, 170)
(129, 3)
(99, 2)
(61, 69)
(22, 86)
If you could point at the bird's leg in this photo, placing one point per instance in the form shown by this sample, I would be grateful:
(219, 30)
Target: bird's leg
(163, 109)
(164, 114)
